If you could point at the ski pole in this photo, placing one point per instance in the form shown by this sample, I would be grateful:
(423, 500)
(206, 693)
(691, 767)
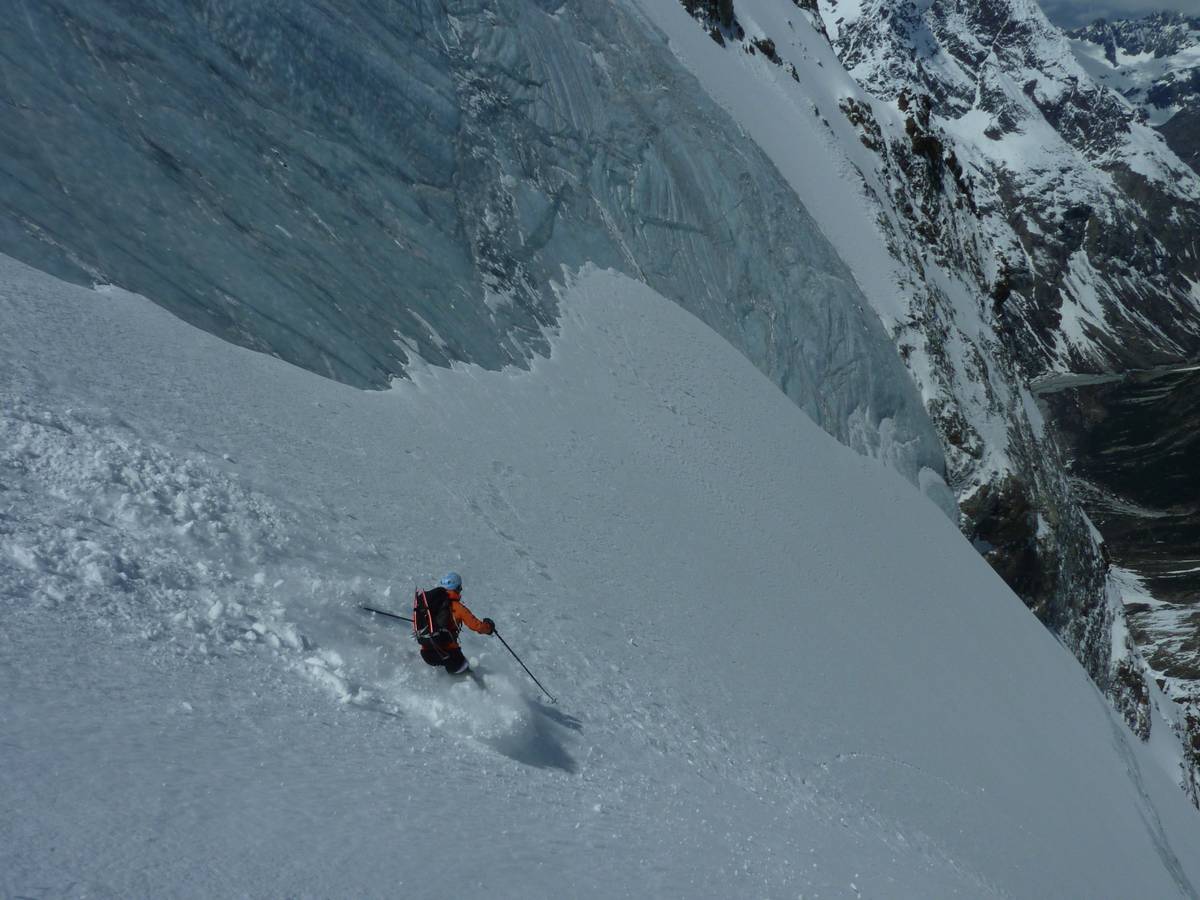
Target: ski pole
(523, 666)
(385, 613)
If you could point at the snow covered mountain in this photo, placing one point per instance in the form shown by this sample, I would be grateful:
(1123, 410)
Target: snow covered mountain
(1022, 225)
(1070, 186)
(1155, 63)
(773, 680)
(1013, 223)
(1063, 226)
(925, 222)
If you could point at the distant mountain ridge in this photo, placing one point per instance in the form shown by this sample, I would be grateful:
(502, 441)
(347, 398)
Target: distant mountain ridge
(1159, 35)
(1154, 61)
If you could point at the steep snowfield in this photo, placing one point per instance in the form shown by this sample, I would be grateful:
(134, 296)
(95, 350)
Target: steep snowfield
(781, 671)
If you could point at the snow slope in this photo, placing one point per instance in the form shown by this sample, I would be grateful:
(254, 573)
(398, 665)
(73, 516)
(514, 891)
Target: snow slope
(781, 671)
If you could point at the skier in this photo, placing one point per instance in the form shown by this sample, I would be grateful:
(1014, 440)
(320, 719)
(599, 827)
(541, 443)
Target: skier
(438, 616)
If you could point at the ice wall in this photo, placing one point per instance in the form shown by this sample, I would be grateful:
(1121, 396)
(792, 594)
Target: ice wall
(343, 185)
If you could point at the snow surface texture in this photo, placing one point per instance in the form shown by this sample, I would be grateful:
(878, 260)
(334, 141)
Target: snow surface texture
(351, 187)
(774, 679)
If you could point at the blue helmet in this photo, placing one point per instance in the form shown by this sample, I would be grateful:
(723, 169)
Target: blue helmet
(451, 581)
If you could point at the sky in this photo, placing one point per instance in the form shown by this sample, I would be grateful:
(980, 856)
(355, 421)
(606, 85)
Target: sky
(1073, 13)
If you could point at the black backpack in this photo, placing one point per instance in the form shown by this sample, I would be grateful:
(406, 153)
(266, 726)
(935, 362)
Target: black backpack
(433, 620)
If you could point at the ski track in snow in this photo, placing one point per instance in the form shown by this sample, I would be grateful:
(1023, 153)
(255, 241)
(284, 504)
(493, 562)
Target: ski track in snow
(177, 551)
(166, 549)
(761, 692)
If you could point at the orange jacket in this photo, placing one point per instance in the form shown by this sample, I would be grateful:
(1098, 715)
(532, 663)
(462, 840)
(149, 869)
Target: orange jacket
(463, 616)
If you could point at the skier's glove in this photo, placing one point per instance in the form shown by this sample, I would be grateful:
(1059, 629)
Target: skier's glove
(491, 626)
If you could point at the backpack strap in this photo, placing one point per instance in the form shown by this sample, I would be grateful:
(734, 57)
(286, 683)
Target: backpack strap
(426, 627)
(422, 618)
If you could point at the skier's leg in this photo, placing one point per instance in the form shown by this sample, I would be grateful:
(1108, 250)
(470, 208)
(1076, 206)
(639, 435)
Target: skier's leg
(456, 663)
(432, 657)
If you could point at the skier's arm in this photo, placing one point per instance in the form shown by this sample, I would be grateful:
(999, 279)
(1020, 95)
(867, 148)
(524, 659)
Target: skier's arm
(466, 617)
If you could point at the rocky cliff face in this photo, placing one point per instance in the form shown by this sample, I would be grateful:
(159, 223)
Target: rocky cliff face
(1066, 226)
(1154, 62)
(1131, 444)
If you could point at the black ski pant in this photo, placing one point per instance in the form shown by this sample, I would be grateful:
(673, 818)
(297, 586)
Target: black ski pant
(452, 660)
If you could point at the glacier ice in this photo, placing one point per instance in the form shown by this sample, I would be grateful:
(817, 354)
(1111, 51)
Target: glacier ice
(345, 186)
